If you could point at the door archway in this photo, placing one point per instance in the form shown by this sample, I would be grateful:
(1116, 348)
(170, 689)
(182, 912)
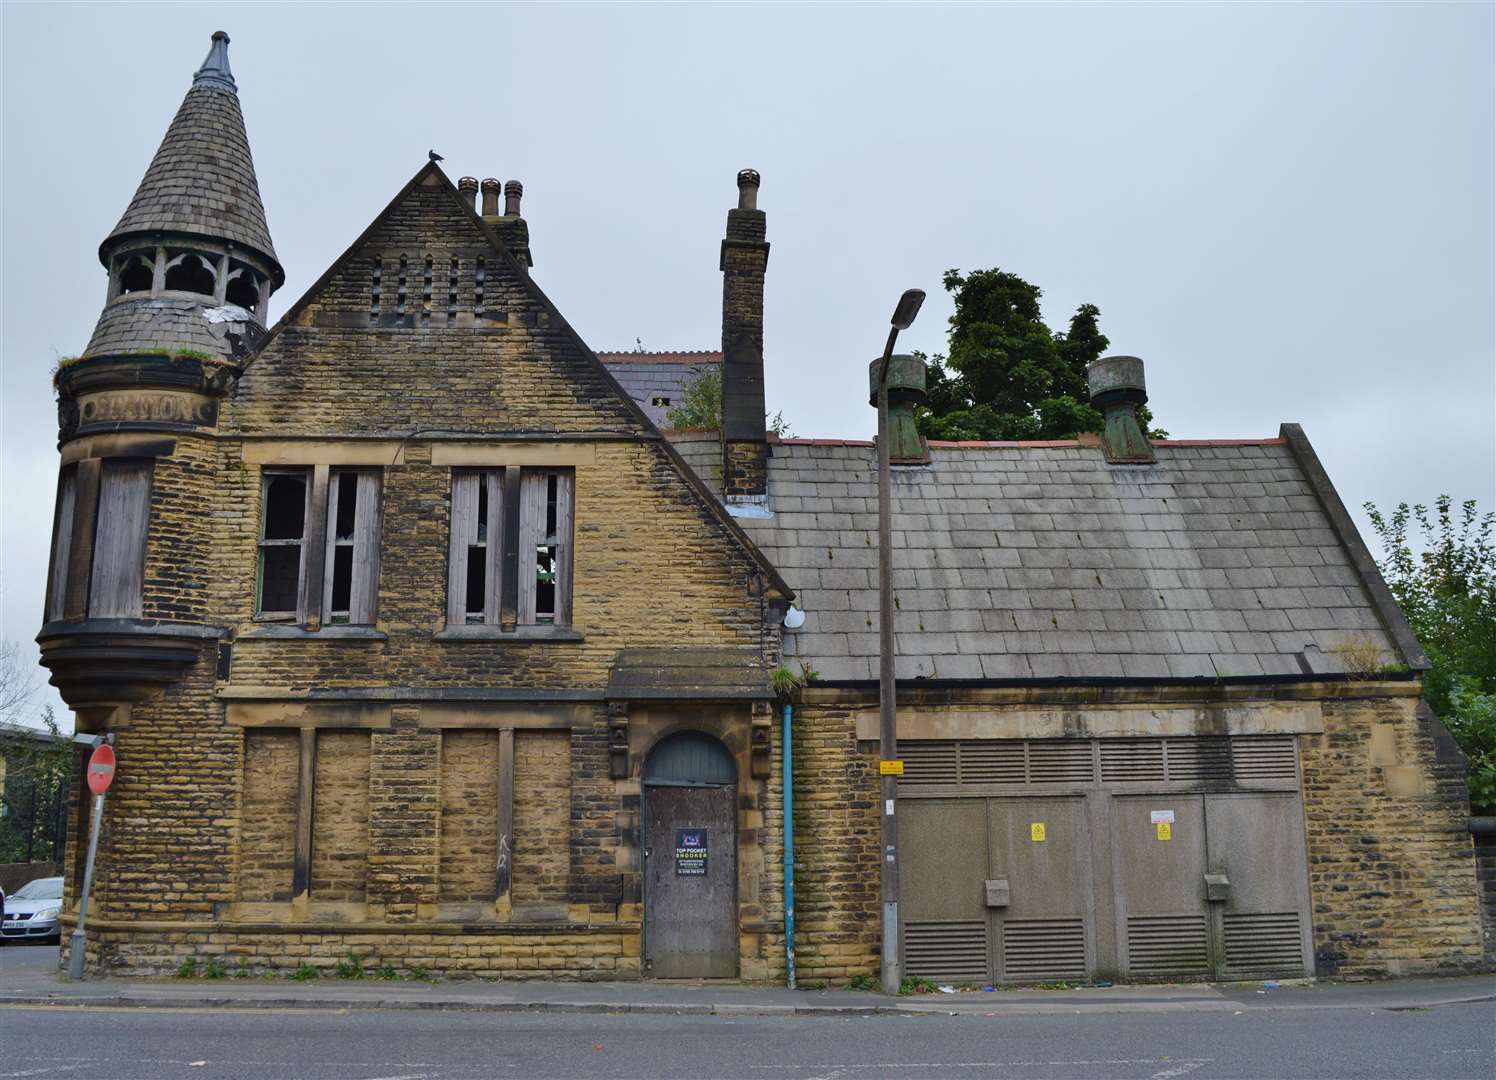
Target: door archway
(690, 859)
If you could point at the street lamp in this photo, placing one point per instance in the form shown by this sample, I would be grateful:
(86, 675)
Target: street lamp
(903, 318)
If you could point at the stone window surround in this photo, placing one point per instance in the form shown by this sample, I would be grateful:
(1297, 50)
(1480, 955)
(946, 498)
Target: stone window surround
(312, 617)
(510, 530)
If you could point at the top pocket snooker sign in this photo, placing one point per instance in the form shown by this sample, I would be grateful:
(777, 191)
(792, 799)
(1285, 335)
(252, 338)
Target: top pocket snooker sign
(690, 853)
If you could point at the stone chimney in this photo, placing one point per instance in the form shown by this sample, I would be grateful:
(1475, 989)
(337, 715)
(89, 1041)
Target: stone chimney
(467, 187)
(745, 255)
(906, 390)
(490, 189)
(512, 229)
(1117, 389)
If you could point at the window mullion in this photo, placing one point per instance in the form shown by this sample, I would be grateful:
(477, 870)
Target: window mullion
(492, 602)
(313, 550)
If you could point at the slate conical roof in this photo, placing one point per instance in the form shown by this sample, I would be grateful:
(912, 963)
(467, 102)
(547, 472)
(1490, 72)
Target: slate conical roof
(202, 179)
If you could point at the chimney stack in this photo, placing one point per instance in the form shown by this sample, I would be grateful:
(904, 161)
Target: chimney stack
(490, 190)
(512, 193)
(1117, 389)
(744, 258)
(467, 187)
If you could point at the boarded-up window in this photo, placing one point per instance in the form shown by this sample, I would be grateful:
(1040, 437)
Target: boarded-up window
(542, 817)
(284, 498)
(119, 539)
(476, 540)
(510, 547)
(343, 553)
(268, 816)
(545, 547)
(469, 824)
(62, 543)
(352, 570)
(340, 817)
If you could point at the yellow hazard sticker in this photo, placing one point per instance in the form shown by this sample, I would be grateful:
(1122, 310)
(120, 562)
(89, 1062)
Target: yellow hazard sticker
(890, 768)
(1164, 829)
(1036, 831)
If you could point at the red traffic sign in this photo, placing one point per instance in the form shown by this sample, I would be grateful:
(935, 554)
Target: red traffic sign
(101, 769)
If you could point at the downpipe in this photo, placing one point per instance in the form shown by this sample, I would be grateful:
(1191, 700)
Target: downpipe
(787, 711)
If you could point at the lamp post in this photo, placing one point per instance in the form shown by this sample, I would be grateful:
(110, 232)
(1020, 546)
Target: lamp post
(903, 318)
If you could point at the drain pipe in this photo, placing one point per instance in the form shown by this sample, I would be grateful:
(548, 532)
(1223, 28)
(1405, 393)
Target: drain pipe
(789, 848)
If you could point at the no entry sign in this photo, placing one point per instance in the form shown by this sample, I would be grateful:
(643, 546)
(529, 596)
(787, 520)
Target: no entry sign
(101, 769)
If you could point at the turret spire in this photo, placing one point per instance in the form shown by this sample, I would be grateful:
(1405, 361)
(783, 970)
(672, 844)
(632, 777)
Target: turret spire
(215, 69)
(191, 264)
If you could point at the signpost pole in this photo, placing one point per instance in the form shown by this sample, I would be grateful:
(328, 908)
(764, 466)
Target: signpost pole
(99, 774)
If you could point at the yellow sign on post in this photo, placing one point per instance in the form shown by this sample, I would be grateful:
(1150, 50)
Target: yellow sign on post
(1165, 830)
(1036, 831)
(890, 768)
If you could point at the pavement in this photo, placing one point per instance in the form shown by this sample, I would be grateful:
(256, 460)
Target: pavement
(29, 977)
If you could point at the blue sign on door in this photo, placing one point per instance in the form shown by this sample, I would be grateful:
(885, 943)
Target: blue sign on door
(690, 852)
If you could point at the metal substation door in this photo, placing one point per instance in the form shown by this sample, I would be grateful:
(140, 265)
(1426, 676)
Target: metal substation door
(690, 860)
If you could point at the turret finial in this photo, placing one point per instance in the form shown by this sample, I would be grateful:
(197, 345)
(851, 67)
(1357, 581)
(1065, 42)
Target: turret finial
(215, 70)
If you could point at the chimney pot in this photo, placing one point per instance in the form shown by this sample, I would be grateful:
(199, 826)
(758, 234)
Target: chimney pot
(748, 181)
(467, 187)
(513, 191)
(1117, 389)
(490, 189)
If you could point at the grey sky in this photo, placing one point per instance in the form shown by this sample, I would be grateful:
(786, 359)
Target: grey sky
(1287, 211)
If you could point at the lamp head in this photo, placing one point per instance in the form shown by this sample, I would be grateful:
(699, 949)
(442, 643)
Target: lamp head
(909, 305)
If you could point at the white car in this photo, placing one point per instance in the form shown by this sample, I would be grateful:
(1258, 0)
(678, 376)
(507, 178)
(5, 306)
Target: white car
(31, 912)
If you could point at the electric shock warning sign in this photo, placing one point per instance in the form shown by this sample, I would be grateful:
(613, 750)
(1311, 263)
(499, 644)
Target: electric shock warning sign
(690, 852)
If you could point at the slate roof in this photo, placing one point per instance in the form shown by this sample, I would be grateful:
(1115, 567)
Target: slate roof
(202, 179)
(139, 323)
(1040, 560)
(650, 375)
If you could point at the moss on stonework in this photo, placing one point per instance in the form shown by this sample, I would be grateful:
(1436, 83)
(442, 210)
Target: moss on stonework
(66, 363)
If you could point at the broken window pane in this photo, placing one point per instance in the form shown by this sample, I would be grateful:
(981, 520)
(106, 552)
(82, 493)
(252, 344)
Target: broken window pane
(347, 505)
(285, 506)
(282, 529)
(342, 582)
(545, 584)
(280, 569)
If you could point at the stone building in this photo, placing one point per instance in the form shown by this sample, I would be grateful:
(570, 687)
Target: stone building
(421, 642)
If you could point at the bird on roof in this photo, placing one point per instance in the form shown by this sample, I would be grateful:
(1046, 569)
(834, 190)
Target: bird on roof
(434, 156)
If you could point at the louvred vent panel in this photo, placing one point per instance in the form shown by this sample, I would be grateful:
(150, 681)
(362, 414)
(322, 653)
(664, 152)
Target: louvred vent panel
(928, 761)
(996, 761)
(1161, 946)
(1263, 757)
(1060, 761)
(1199, 760)
(951, 951)
(1041, 949)
(1132, 761)
(1267, 943)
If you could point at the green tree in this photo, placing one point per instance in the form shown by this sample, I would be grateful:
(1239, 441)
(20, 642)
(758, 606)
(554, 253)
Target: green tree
(1006, 375)
(36, 767)
(1445, 582)
(700, 404)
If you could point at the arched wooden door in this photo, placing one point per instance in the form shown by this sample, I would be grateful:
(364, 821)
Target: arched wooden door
(690, 859)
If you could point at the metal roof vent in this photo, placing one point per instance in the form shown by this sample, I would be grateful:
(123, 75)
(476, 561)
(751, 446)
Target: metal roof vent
(1117, 389)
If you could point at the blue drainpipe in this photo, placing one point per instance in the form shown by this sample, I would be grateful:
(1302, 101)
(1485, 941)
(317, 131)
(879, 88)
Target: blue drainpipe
(789, 849)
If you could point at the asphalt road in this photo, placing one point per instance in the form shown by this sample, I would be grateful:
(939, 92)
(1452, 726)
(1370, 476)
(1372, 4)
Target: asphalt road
(1450, 1043)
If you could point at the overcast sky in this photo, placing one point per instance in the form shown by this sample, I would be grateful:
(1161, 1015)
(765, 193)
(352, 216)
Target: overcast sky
(1286, 210)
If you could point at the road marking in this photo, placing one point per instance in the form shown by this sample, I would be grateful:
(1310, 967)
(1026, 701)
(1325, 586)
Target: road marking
(1179, 1067)
(1182, 1069)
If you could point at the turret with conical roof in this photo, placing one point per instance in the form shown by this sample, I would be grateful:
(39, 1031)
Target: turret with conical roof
(191, 269)
(191, 264)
